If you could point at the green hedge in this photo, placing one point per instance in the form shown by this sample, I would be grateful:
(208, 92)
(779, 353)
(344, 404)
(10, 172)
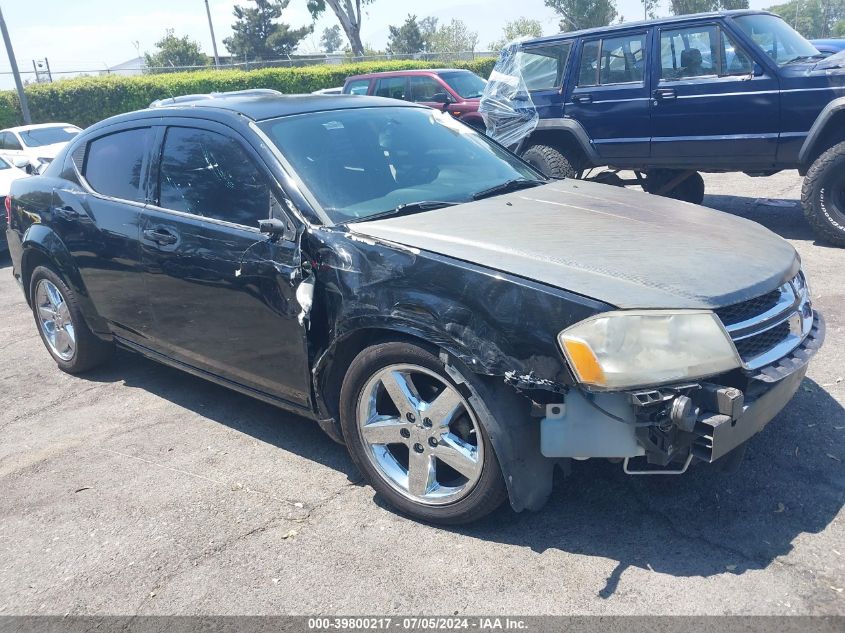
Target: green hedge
(87, 100)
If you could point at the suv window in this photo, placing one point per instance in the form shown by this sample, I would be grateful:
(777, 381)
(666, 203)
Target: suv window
(734, 60)
(392, 87)
(689, 52)
(9, 141)
(614, 60)
(543, 66)
(358, 87)
(208, 174)
(424, 89)
(113, 163)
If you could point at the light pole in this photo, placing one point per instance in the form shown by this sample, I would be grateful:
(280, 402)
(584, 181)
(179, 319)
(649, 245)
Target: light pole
(213, 40)
(18, 84)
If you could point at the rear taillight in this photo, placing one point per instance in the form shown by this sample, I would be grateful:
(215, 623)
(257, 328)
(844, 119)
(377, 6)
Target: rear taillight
(8, 205)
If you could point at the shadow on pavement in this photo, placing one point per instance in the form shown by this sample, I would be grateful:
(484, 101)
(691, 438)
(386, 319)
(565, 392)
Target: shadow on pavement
(782, 216)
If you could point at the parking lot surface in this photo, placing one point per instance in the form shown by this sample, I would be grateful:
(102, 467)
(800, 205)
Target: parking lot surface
(138, 489)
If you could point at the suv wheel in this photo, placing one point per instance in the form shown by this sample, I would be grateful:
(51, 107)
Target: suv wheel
(550, 161)
(73, 346)
(414, 434)
(690, 189)
(823, 195)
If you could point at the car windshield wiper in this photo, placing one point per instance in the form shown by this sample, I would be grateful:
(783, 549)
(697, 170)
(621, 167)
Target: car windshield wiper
(406, 209)
(506, 187)
(803, 58)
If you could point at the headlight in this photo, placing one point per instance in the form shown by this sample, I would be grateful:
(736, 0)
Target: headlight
(635, 348)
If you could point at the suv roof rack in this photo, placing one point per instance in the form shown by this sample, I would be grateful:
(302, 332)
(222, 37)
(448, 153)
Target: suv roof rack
(197, 98)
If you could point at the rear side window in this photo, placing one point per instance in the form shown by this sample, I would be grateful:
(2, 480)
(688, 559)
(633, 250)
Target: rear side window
(614, 60)
(358, 87)
(391, 87)
(114, 163)
(543, 66)
(208, 174)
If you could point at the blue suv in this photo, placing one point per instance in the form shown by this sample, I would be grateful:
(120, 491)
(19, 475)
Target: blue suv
(715, 92)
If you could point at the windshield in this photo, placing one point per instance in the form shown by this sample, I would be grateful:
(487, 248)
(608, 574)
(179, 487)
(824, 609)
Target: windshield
(366, 161)
(776, 38)
(467, 84)
(48, 135)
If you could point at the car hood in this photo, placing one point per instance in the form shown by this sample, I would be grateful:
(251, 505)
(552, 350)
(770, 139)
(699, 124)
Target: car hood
(623, 247)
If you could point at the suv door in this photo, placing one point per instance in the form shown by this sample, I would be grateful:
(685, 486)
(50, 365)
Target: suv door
(423, 88)
(709, 103)
(611, 99)
(392, 87)
(97, 215)
(221, 292)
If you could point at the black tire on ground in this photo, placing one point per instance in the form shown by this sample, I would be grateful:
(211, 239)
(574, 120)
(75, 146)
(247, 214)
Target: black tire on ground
(90, 351)
(823, 195)
(488, 492)
(550, 161)
(691, 189)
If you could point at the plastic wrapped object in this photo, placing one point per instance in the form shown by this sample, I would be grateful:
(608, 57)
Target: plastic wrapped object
(506, 105)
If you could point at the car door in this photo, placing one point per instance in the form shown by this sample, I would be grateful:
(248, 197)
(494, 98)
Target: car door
(710, 100)
(221, 292)
(392, 87)
(97, 216)
(10, 144)
(429, 91)
(611, 98)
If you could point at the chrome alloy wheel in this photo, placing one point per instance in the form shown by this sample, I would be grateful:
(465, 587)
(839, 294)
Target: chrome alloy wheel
(420, 434)
(54, 319)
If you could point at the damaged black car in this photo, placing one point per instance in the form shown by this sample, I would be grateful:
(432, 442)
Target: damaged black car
(462, 324)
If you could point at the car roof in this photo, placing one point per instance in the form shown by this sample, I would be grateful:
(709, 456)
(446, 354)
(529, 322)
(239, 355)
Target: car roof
(255, 105)
(407, 73)
(623, 26)
(35, 126)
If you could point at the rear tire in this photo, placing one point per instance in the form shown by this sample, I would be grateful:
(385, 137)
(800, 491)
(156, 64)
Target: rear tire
(823, 195)
(550, 161)
(384, 435)
(60, 323)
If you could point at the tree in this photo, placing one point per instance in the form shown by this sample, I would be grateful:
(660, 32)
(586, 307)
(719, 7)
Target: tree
(454, 37)
(348, 13)
(257, 35)
(583, 14)
(650, 9)
(428, 27)
(406, 39)
(685, 7)
(174, 52)
(331, 40)
(813, 18)
(521, 27)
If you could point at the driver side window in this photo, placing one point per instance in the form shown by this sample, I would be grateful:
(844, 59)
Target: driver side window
(208, 174)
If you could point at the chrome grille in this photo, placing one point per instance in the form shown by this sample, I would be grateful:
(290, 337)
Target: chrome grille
(768, 327)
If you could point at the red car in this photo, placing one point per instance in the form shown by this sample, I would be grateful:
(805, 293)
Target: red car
(457, 91)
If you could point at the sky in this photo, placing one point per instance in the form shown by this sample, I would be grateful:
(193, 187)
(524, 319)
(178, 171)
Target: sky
(91, 35)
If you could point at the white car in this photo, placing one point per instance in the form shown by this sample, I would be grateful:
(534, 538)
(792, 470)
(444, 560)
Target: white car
(10, 169)
(39, 143)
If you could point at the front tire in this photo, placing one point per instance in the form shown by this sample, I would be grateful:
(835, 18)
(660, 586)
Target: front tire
(550, 161)
(412, 431)
(63, 329)
(823, 195)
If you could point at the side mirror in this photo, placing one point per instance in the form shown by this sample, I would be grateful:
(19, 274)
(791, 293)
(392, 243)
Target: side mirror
(277, 229)
(757, 71)
(441, 97)
(21, 162)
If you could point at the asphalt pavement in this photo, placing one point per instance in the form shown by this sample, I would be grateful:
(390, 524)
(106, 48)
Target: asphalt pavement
(138, 489)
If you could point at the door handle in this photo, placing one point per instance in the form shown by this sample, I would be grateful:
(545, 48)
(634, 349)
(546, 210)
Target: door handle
(582, 98)
(665, 94)
(160, 236)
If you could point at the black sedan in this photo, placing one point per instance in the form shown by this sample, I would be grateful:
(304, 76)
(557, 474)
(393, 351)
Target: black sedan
(461, 323)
